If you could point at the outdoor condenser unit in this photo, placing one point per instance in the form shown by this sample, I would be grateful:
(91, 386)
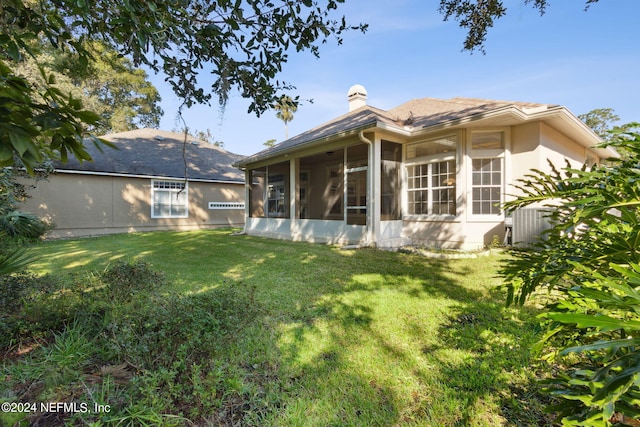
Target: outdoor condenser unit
(528, 224)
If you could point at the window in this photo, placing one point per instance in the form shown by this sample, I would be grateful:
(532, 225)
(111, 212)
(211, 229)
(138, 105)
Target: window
(276, 196)
(487, 171)
(443, 179)
(258, 179)
(432, 188)
(486, 186)
(169, 199)
(431, 176)
(487, 140)
(441, 146)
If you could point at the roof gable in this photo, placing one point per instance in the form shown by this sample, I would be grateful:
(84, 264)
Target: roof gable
(155, 153)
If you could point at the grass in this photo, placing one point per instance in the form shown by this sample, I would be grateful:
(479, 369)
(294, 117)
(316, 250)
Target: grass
(305, 335)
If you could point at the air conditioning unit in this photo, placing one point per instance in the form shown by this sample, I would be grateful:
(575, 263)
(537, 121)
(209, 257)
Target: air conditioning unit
(528, 225)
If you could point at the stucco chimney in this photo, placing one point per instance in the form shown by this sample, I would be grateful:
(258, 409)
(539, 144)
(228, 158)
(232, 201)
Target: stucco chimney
(357, 96)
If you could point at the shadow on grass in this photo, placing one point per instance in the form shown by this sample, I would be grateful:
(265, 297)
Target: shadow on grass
(376, 338)
(349, 337)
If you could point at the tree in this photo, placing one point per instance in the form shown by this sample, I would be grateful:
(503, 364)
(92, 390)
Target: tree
(589, 263)
(269, 142)
(477, 16)
(243, 45)
(124, 97)
(208, 137)
(285, 107)
(109, 85)
(601, 121)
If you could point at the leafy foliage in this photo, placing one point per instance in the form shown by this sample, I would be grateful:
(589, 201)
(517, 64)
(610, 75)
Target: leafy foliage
(114, 336)
(16, 227)
(36, 126)
(125, 279)
(478, 16)
(241, 44)
(589, 261)
(285, 107)
(108, 85)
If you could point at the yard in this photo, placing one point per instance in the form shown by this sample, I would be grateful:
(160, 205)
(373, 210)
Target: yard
(249, 331)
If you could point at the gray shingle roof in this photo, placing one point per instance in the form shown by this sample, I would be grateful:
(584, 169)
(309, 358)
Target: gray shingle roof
(152, 152)
(418, 113)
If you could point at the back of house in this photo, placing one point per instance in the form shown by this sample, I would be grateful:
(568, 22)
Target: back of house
(430, 171)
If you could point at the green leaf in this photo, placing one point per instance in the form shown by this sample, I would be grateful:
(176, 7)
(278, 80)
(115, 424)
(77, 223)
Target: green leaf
(603, 323)
(602, 345)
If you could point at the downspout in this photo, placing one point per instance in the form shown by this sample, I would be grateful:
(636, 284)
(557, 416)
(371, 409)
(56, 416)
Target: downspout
(371, 186)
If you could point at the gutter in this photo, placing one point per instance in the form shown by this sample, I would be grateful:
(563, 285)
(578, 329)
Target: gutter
(371, 185)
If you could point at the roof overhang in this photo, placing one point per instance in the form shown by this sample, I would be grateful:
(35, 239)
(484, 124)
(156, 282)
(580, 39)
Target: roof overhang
(558, 117)
(309, 145)
(123, 175)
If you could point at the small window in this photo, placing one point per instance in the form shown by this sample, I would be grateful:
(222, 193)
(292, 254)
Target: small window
(169, 199)
(487, 140)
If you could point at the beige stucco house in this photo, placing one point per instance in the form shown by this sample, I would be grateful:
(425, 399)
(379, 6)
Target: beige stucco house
(144, 184)
(429, 171)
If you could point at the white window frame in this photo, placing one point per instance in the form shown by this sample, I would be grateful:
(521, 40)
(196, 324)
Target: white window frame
(497, 153)
(429, 161)
(176, 189)
(490, 186)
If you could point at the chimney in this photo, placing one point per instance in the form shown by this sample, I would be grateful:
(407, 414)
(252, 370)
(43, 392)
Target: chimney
(357, 96)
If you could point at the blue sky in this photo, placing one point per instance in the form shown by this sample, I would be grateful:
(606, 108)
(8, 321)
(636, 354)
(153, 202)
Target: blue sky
(582, 60)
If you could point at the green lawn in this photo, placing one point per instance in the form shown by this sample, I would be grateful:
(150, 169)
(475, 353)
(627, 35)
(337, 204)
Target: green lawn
(250, 331)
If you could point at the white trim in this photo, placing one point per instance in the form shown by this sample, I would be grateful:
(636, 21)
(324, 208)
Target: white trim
(125, 175)
(184, 190)
(505, 164)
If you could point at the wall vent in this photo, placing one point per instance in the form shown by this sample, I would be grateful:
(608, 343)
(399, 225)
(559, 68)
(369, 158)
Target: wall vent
(226, 205)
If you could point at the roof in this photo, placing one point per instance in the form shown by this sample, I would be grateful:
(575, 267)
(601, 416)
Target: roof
(425, 114)
(156, 153)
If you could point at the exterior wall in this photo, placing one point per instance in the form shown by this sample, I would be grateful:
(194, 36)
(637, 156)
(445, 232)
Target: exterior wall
(307, 230)
(558, 148)
(526, 147)
(533, 145)
(525, 150)
(87, 205)
(435, 234)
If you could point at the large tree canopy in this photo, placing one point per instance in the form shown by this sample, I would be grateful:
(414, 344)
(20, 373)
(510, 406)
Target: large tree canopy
(109, 85)
(241, 44)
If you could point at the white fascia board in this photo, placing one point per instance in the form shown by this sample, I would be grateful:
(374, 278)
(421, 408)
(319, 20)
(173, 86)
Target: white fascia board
(124, 175)
(302, 147)
(572, 125)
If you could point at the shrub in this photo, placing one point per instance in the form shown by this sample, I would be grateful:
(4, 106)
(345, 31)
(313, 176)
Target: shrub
(25, 301)
(154, 331)
(590, 259)
(124, 279)
(176, 341)
(23, 224)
